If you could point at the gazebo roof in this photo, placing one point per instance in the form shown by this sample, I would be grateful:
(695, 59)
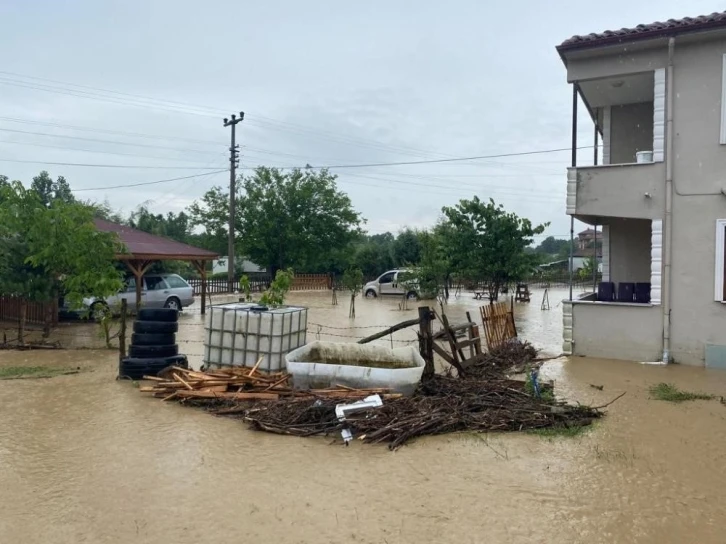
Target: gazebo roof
(149, 247)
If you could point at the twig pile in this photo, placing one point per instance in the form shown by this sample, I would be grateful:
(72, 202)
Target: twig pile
(441, 405)
(513, 356)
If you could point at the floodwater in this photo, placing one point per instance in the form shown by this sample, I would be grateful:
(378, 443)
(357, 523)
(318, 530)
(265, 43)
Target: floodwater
(85, 458)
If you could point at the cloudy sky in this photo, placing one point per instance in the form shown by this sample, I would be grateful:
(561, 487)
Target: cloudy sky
(145, 85)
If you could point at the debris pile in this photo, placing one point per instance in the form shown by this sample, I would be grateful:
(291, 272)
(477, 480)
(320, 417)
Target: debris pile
(483, 400)
(441, 405)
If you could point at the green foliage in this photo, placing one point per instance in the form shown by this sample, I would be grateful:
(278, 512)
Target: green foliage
(54, 248)
(671, 393)
(286, 219)
(485, 242)
(588, 269)
(49, 190)
(353, 281)
(553, 247)
(246, 287)
(18, 372)
(275, 295)
(407, 248)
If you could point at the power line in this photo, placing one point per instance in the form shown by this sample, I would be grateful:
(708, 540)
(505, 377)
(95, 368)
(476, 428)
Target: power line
(430, 161)
(106, 165)
(82, 150)
(96, 140)
(149, 182)
(116, 132)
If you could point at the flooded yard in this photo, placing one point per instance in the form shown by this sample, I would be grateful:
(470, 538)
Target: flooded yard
(85, 458)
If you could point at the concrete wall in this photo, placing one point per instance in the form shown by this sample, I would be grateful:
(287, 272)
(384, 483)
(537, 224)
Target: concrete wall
(631, 130)
(617, 62)
(629, 250)
(619, 191)
(616, 331)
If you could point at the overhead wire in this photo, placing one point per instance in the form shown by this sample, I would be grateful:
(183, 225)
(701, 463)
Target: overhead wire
(138, 166)
(145, 183)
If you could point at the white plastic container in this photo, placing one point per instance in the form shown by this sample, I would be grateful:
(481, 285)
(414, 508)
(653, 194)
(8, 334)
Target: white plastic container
(323, 364)
(643, 156)
(238, 334)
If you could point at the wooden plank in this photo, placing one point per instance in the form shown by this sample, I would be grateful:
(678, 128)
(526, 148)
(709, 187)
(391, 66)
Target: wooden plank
(230, 396)
(180, 379)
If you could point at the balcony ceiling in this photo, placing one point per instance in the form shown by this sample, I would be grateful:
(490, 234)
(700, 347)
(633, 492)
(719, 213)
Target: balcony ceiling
(616, 91)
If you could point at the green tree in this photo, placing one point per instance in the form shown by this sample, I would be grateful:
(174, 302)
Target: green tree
(49, 190)
(297, 219)
(485, 242)
(552, 246)
(353, 282)
(54, 248)
(407, 248)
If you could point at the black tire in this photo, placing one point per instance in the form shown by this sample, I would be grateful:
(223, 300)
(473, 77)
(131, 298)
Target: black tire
(157, 314)
(133, 368)
(173, 303)
(153, 352)
(153, 339)
(371, 294)
(411, 295)
(155, 327)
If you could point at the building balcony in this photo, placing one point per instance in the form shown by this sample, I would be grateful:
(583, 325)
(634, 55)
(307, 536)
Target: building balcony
(633, 190)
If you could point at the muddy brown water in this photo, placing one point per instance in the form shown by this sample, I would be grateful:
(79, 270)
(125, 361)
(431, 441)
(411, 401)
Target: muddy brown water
(84, 458)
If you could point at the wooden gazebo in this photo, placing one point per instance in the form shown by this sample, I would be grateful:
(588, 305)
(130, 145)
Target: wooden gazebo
(142, 249)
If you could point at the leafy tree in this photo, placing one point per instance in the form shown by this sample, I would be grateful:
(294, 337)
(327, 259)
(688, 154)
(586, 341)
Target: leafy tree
(485, 242)
(275, 295)
(295, 219)
(353, 282)
(552, 246)
(49, 190)
(53, 248)
(407, 248)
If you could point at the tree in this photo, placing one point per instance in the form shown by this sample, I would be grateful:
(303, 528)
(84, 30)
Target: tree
(407, 248)
(485, 242)
(53, 248)
(297, 219)
(552, 246)
(353, 282)
(49, 190)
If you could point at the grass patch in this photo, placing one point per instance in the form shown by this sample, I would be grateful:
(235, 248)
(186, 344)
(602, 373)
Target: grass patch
(19, 372)
(670, 393)
(560, 431)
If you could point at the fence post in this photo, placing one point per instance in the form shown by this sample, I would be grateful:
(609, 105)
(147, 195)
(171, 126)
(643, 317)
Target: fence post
(21, 321)
(425, 341)
(122, 332)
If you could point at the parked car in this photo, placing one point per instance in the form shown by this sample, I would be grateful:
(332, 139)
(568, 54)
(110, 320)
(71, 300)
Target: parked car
(157, 291)
(389, 284)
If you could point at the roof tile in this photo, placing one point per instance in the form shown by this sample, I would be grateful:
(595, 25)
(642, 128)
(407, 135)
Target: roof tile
(645, 31)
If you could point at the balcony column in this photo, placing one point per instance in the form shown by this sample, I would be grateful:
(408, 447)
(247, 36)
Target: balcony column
(574, 163)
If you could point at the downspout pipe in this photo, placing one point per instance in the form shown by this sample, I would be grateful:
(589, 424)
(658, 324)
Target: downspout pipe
(668, 226)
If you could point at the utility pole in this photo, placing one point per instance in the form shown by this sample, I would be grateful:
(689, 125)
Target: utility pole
(233, 158)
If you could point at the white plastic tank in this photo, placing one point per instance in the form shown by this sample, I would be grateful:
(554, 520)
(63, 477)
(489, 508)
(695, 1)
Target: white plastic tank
(238, 334)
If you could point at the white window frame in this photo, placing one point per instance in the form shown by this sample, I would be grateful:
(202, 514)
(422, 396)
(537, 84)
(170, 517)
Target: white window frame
(719, 264)
(723, 100)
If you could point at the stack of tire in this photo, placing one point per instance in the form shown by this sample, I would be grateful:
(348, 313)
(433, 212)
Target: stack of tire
(153, 344)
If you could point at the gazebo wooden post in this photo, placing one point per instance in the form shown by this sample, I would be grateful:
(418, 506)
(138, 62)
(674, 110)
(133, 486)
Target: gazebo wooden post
(138, 269)
(201, 267)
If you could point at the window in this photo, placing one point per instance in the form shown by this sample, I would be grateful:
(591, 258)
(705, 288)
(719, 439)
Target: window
(130, 285)
(720, 260)
(155, 283)
(175, 282)
(387, 278)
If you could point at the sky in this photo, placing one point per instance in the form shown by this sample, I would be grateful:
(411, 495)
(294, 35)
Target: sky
(142, 88)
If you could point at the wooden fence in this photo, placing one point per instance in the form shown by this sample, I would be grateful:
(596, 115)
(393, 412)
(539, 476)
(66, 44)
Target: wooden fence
(35, 312)
(260, 281)
(498, 321)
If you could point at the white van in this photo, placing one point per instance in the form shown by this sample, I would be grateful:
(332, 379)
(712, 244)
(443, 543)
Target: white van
(388, 284)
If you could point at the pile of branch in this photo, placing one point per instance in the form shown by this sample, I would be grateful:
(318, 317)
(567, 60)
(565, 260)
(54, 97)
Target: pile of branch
(509, 357)
(441, 405)
(222, 389)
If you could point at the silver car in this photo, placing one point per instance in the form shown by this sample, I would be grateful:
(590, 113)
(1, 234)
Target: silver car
(157, 291)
